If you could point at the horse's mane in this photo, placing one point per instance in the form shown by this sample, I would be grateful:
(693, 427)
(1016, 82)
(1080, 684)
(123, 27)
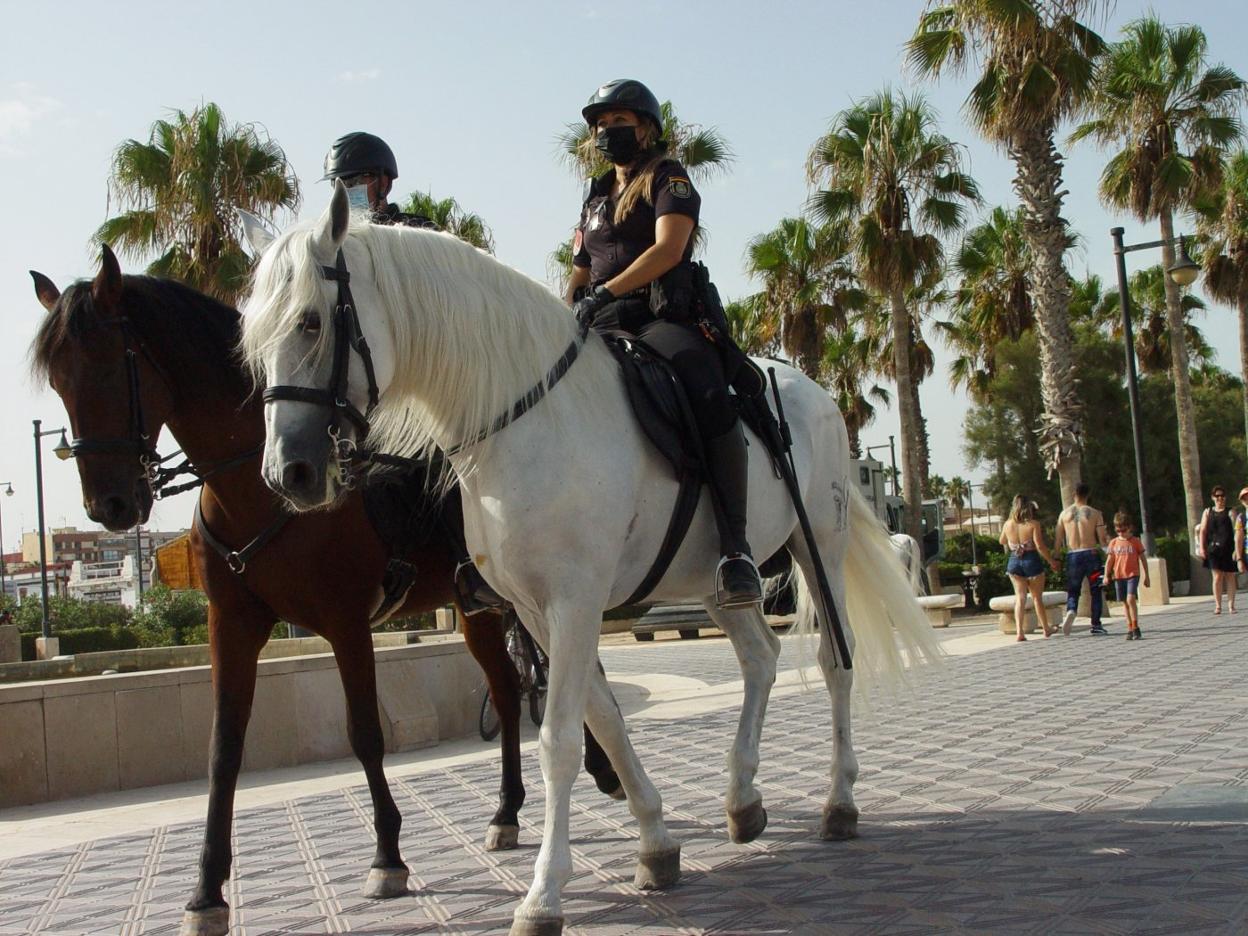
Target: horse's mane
(476, 333)
(206, 329)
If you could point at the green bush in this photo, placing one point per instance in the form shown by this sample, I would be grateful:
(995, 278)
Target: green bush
(68, 614)
(1175, 550)
(168, 618)
(86, 640)
(951, 573)
(958, 548)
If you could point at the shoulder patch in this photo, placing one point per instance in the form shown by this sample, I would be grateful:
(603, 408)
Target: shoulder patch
(679, 187)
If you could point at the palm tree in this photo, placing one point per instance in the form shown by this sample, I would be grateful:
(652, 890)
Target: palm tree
(846, 366)
(1148, 320)
(701, 150)
(1224, 224)
(753, 329)
(808, 285)
(1172, 117)
(1037, 68)
(897, 184)
(955, 495)
(181, 192)
(447, 214)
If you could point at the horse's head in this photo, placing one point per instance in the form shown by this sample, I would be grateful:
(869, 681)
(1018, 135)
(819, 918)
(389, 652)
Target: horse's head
(116, 397)
(323, 362)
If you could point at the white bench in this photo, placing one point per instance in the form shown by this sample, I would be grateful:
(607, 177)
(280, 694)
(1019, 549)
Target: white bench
(1005, 605)
(938, 608)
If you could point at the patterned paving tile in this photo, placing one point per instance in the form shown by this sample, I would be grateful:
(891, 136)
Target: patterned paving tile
(1011, 793)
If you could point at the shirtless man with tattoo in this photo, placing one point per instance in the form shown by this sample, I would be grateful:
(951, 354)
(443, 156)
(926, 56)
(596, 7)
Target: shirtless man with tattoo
(1081, 529)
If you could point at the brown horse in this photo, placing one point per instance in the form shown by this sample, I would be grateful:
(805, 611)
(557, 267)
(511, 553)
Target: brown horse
(129, 355)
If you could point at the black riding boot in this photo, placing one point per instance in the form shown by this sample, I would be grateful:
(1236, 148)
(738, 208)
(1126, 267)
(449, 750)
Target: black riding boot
(737, 584)
(471, 590)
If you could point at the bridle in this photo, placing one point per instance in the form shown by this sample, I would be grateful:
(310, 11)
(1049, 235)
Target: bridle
(347, 337)
(137, 442)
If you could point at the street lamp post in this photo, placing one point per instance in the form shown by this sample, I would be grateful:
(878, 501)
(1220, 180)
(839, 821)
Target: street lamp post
(1183, 272)
(61, 451)
(892, 449)
(8, 492)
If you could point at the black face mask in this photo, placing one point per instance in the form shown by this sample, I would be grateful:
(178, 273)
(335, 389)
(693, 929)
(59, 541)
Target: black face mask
(618, 144)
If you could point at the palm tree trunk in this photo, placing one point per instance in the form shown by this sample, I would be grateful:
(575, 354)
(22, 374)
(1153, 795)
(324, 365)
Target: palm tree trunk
(911, 476)
(1185, 409)
(1243, 355)
(1037, 183)
(924, 447)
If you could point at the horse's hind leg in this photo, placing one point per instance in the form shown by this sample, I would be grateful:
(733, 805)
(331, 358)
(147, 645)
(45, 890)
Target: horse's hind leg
(598, 765)
(840, 815)
(757, 650)
(486, 637)
(235, 648)
(353, 650)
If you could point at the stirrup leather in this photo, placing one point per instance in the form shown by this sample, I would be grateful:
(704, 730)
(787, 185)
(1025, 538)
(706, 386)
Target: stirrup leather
(739, 601)
(473, 592)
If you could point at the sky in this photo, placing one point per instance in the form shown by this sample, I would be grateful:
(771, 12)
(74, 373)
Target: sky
(471, 96)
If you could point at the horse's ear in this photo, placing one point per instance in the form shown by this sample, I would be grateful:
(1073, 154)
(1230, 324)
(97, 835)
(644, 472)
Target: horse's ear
(257, 233)
(45, 289)
(331, 229)
(106, 287)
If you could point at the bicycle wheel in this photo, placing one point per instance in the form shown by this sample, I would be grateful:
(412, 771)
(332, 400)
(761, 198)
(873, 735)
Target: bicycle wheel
(488, 723)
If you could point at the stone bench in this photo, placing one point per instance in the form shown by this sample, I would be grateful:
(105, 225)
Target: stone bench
(1005, 605)
(938, 608)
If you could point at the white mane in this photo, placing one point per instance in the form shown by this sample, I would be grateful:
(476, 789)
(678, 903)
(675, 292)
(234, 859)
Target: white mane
(471, 335)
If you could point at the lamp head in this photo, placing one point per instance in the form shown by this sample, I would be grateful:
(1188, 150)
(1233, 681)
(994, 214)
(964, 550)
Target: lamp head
(8, 491)
(1184, 270)
(63, 451)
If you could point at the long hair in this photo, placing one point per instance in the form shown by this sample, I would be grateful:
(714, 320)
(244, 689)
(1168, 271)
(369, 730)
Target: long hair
(640, 175)
(1024, 509)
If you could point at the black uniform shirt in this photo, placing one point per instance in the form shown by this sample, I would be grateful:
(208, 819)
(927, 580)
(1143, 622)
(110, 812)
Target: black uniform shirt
(392, 215)
(609, 249)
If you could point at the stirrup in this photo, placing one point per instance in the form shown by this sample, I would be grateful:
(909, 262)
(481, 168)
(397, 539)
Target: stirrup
(741, 598)
(473, 592)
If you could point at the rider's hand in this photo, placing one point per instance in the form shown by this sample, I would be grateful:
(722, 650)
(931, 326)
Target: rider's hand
(587, 307)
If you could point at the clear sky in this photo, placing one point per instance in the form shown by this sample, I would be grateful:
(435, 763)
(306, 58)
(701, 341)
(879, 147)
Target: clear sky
(471, 96)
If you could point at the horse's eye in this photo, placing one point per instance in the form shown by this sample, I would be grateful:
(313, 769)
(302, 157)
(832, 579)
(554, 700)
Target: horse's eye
(310, 322)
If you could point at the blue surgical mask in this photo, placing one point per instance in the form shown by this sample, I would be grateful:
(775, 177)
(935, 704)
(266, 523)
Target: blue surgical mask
(357, 198)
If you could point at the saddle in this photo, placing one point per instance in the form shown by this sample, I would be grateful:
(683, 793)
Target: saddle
(662, 410)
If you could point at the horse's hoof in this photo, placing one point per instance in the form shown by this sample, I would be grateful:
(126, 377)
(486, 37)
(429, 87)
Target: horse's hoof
(384, 883)
(658, 871)
(502, 837)
(839, 823)
(618, 793)
(745, 825)
(214, 921)
(541, 926)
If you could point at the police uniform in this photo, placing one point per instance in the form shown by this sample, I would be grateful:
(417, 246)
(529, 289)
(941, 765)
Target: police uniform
(607, 249)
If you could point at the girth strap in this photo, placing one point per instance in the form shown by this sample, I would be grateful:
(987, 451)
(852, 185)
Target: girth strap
(677, 527)
(237, 559)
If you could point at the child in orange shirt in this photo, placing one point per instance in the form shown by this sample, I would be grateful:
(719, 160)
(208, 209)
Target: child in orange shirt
(1122, 564)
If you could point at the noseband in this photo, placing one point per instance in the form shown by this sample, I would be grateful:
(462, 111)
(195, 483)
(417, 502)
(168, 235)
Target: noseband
(347, 337)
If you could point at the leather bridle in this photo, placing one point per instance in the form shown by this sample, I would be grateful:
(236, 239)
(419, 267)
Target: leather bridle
(347, 337)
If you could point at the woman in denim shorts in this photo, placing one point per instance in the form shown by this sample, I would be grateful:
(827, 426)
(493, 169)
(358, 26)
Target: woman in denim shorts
(1023, 539)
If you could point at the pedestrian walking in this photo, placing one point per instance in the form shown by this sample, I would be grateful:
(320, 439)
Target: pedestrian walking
(1023, 539)
(1081, 529)
(1220, 548)
(1122, 567)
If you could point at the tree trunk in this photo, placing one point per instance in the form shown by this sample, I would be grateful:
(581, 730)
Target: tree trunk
(911, 477)
(1243, 355)
(924, 448)
(1037, 183)
(1184, 408)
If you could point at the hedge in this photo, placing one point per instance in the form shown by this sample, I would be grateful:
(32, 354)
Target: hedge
(85, 640)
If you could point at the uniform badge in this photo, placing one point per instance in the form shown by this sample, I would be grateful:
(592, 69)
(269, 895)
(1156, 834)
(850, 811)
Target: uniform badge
(595, 220)
(679, 187)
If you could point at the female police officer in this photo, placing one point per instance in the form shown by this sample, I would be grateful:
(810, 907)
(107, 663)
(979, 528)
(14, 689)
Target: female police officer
(632, 262)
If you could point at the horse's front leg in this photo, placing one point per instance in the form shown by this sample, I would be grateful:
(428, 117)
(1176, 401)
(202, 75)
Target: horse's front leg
(353, 650)
(757, 650)
(571, 634)
(235, 649)
(486, 637)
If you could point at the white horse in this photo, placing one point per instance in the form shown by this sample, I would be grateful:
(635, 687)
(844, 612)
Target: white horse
(911, 555)
(566, 505)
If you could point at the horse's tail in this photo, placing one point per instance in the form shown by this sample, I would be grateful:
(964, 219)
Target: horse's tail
(890, 631)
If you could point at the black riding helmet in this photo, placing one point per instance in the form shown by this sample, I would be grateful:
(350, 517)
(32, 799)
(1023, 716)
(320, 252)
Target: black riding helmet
(623, 94)
(359, 152)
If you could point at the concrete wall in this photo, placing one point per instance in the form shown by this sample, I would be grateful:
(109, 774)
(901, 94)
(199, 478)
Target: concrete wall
(67, 738)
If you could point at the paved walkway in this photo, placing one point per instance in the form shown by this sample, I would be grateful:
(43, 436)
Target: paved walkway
(1074, 785)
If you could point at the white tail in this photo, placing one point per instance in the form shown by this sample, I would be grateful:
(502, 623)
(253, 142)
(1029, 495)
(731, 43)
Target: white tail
(891, 632)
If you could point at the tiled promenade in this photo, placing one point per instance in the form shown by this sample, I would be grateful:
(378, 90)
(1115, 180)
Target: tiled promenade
(1075, 785)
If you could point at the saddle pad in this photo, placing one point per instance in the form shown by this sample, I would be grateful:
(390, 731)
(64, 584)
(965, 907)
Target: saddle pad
(652, 389)
(401, 508)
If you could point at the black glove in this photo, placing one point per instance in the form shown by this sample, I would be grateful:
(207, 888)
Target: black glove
(588, 306)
